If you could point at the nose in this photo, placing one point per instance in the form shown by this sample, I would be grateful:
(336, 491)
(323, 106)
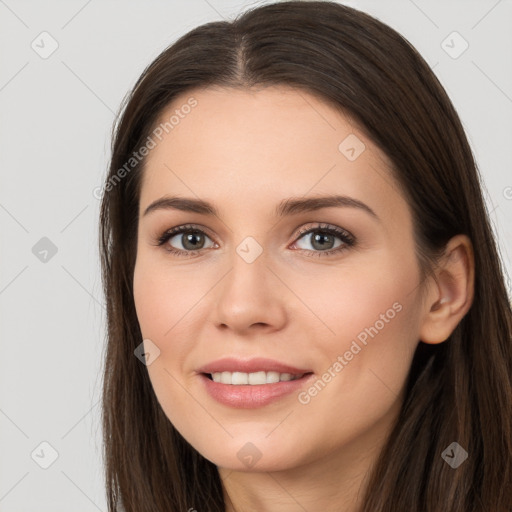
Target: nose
(250, 298)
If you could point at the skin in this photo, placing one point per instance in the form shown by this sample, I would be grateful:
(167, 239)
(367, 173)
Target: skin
(245, 151)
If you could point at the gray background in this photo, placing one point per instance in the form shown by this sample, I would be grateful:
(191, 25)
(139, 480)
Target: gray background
(56, 118)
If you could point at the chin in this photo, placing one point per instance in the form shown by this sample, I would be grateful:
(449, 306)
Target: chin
(260, 455)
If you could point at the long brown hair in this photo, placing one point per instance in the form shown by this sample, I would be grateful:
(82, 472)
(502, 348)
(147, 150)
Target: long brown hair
(459, 390)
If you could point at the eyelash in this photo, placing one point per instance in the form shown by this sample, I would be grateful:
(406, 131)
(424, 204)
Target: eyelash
(347, 239)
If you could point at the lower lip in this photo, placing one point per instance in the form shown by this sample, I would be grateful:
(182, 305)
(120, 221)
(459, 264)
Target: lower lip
(248, 396)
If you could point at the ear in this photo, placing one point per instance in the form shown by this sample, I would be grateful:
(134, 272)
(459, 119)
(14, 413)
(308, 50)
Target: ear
(451, 292)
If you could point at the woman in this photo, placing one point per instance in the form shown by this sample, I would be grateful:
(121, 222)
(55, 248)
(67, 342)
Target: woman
(306, 309)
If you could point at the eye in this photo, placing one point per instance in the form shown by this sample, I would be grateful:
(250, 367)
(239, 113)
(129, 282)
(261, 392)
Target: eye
(324, 240)
(190, 238)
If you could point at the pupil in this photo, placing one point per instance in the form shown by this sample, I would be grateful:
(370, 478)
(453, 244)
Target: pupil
(322, 238)
(191, 237)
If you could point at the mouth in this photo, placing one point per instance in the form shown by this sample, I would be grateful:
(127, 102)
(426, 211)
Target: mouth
(258, 378)
(255, 389)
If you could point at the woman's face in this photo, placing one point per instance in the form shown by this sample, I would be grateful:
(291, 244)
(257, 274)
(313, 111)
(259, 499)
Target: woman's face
(262, 282)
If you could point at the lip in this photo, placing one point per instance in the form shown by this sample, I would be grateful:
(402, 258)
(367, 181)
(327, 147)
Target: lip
(248, 396)
(231, 364)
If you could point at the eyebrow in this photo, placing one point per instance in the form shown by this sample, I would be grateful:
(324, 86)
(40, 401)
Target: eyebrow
(286, 207)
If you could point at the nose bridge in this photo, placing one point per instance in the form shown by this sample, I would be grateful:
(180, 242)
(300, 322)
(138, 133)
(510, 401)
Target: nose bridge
(248, 274)
(250, 250)
(247, 294)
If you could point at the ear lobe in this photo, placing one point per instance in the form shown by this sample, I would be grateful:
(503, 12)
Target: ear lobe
(451, 293)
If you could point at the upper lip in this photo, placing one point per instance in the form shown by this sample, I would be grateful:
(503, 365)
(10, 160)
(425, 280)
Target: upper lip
(230, 364)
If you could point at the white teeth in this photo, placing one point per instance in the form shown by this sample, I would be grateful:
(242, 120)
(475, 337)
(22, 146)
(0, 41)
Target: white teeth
(257, 378)
(254, 379)
(239, 378)
(272, 377)
(224, 377)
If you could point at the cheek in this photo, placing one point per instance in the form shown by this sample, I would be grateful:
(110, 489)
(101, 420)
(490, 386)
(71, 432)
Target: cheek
(162, 302)
(164, 298)
(375, 317)
(364, 375)
(168, 303)
(370, 299)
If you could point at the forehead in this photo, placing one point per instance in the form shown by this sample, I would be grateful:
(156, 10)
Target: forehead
(250, 145)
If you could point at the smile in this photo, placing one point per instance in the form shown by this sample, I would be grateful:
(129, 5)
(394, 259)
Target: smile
(248, 391)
